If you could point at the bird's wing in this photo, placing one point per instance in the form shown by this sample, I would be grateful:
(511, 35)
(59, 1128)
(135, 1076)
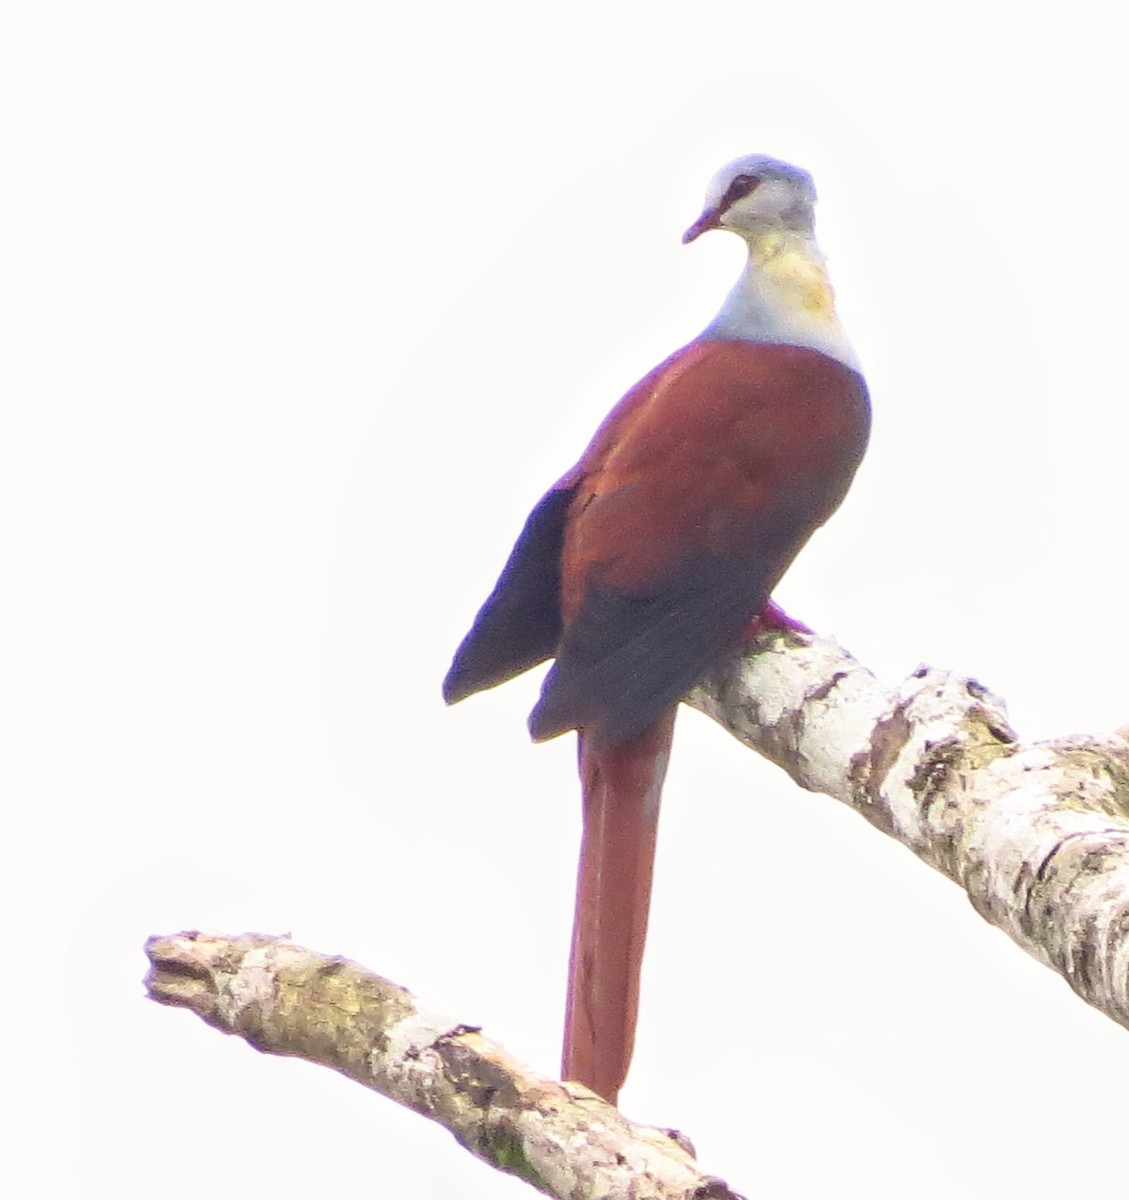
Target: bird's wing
(686, 510)
(519, 626)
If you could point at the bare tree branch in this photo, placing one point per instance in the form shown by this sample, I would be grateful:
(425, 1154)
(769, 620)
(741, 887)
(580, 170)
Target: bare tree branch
(1036, 834)
(283, 999)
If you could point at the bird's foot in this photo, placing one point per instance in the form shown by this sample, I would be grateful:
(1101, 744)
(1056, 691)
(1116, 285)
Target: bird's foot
(773, 619)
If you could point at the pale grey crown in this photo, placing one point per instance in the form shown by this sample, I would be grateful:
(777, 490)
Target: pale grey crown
(783, 196)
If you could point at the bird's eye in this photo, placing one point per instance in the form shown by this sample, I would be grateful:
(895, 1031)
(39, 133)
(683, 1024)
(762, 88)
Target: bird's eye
(739, 187)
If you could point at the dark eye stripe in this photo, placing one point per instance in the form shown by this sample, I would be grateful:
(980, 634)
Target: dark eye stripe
(739, 187)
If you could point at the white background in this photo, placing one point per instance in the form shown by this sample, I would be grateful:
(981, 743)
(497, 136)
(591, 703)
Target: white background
(303, 308)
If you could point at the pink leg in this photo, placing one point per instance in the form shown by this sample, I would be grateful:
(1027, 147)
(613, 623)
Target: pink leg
(772, 616)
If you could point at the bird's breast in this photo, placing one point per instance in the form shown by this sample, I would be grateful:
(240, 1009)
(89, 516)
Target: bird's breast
(722, 435)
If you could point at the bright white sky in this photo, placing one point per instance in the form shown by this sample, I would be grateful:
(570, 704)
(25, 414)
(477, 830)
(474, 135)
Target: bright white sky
(305, 305)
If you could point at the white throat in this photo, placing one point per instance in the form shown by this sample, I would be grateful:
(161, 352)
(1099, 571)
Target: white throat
(784, 296)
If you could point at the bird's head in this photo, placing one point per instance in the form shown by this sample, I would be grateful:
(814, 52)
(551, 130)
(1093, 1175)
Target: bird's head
(756, 195)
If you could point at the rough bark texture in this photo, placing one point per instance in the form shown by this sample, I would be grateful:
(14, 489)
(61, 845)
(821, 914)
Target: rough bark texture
(1037, 834)
(284, 999)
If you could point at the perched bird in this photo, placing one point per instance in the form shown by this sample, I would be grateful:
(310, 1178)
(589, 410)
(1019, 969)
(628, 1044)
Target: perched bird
(648, 562)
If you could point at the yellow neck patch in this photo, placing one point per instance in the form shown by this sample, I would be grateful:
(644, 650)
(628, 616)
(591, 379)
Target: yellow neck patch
(797, 268)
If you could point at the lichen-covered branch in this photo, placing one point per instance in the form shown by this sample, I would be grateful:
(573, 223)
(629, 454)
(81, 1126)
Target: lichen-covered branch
(1037, 834)
(284, 999)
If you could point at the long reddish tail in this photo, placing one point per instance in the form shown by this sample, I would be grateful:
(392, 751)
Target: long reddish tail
(621, 787)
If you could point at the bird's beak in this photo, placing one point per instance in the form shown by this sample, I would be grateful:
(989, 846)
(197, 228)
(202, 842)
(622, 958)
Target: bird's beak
(710, 219)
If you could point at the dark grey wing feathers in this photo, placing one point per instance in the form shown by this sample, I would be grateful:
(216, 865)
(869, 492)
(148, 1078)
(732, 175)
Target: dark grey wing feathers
(519, 626)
